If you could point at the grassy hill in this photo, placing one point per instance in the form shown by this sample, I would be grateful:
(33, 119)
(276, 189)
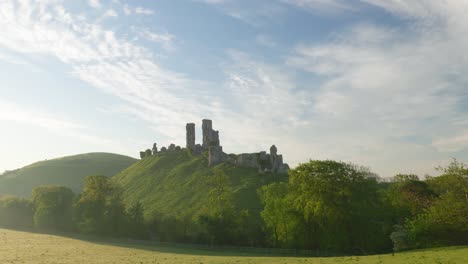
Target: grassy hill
(67, 171)
(176, 184)
(29, 248)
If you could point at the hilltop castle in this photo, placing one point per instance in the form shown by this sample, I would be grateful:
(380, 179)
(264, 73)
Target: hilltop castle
(262, 161)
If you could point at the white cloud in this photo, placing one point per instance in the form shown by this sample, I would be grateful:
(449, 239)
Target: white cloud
(11, 112)
(143, 11)
(166, 39)
(94, 3)
(127, 10)
(12, 59)
(256, 13)
(321, 5)
(379, 85)
(452, 143)
(265, 40)
(258, 106)
(382, 85)
(111, 13)
(105, 61)
(213, 2)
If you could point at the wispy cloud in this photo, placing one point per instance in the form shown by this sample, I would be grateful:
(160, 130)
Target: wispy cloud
(391, 83)
(265, 40)
(263, 13)
(213, 2)
(255, 13)
(94, 3)
(143, 11)
(376, 88)
(111, 13)
(105, 61)
(11, 112)
(322, 5)
(166, 40)
(127, 9)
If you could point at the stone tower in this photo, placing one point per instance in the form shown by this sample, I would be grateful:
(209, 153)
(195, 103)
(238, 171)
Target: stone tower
(210, 137)
(207, 126)
(190, 128)
(273, 150)
(275, 159)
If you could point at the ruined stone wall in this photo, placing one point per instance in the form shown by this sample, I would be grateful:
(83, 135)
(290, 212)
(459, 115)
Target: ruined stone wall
(262, 161)
(247, 160)
(216, 155)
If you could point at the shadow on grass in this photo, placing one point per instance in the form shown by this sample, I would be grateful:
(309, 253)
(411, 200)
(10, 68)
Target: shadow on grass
(186, 249)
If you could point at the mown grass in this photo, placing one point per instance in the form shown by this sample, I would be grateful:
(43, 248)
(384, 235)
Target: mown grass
(29, 248)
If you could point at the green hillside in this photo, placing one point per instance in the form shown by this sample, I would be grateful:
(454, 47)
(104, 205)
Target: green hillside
(67, 171)
(176, 184)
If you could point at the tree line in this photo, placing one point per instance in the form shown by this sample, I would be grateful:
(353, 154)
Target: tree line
(98, 210)
(324, 205)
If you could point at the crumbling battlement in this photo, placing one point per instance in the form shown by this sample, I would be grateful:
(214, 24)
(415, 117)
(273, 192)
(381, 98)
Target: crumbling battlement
(154, 151)
(262, 161)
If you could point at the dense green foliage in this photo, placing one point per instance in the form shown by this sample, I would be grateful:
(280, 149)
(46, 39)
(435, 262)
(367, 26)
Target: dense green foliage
(100, 209)
(281, 220)
(339, 206)
(443, 221)
(52, 207)
(67, 171)
(322, 205)
(327, 205)
(15, 212)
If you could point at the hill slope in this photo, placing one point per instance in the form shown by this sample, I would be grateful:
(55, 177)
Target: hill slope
(176, 184)
(67, 171)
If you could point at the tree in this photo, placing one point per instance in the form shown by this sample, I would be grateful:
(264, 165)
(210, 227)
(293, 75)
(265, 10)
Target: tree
(15, 212)
(136, 222)
(338, 202)
(220, 195)
(250, 231)
(100, 209)
(409, 196)
(277, 214)
(52, 207)
(220, 223)
(445, 221)
(454, 179)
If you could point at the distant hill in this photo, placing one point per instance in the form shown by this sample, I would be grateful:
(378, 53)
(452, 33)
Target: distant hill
(67, 171)
(176, 184)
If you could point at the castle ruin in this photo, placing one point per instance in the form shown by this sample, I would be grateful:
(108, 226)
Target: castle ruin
(262, 161)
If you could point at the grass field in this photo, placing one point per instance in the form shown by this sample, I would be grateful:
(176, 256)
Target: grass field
(29, 248)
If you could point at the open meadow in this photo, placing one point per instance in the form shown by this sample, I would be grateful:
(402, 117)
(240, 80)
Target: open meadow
(28, 248)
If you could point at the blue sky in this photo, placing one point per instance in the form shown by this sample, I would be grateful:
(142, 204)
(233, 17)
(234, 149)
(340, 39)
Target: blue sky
(380, 83)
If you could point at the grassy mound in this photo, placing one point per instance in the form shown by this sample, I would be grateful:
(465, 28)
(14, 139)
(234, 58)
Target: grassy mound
(176, 184)
(67, 171)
